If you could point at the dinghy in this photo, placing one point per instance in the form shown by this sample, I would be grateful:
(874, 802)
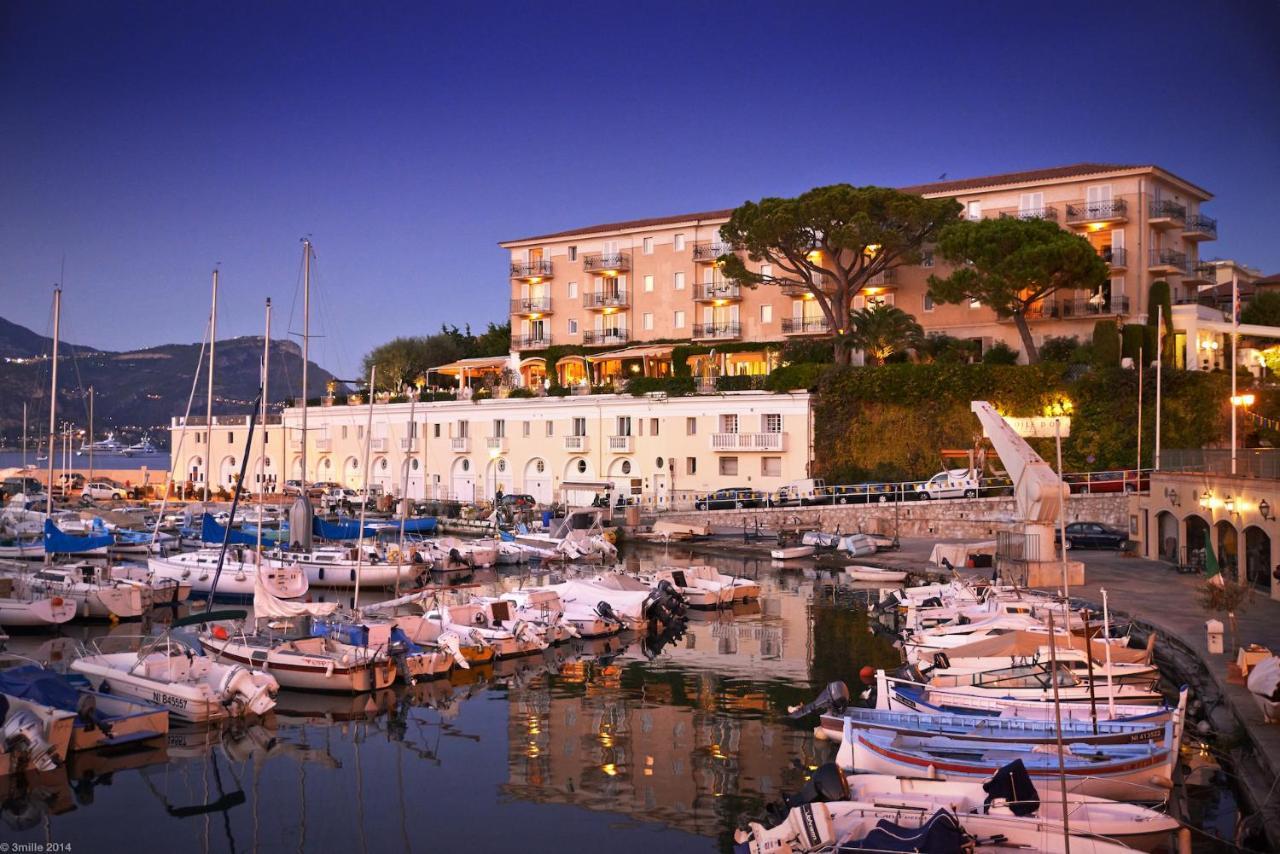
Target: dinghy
(491, 623)
(637, 603)
(99, 720)
(701, 593)
(791, 552)
(168, 672)
(874, 573)
(585, 620)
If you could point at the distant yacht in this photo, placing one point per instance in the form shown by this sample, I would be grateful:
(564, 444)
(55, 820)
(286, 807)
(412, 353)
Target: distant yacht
(109, 445)
(144, 448)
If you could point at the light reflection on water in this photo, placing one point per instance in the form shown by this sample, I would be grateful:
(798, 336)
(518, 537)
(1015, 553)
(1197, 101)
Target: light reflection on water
(589, 744)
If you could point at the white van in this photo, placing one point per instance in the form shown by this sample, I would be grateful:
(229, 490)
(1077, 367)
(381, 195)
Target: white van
(807, 491)
(955, 483)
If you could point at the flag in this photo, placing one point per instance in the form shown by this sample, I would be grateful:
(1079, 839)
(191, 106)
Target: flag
(1212, 573)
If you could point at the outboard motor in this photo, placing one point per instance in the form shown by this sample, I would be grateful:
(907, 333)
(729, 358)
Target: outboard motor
(834, 698)
(827, 784)
(1011, 786)
(605, 611)
(455, 557)
(24, 732)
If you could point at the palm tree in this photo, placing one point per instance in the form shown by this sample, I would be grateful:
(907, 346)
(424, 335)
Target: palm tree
(882, 330)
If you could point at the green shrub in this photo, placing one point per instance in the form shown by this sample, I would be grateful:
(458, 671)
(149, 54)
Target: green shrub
(520, 391)
(1132, 340)
(1106, 344)
(805, 375)
(1059, 348)
(1000, 353)
(808, 350)
(739, 383)
(672, 386)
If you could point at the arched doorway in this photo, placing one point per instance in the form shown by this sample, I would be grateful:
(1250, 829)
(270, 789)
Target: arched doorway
(325, 472)
(227, 472)
(351, 473)
(537, 480)
(572, 370)
(533, 371)
(463, 485)
(413, 468)
(1197, 538)
(380, 475)
(1167, 536)
(296, 468)
(1227, 541)
(579, 468)
(497, 476)
(1257, 557)
(195, 470)
(626, 478)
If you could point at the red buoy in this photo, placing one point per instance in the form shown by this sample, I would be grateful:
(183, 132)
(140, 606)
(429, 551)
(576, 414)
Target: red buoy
(866, 674)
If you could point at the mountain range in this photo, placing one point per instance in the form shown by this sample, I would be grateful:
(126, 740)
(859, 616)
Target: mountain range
(138, 391)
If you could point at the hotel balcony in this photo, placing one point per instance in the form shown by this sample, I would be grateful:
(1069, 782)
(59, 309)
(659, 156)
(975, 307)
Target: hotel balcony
(884, 277)
(716, 331)
(495, 444)
(575, 444)
(531, 270)
(1167, 261)
(1201, 274)
(1166, 214)
(1090, 213)
(324, 445)
(531, 305)
(600, 337)
(460, 444)
(800, 289)
(805, 326)
(1048, 212)
(621, 444)
(1200, 227)
(707, 253)
(714, 291)
(1068, 309)
(532, 342)
(605, 299)
(748, 441)
(611, 262)
(409, 444)
(1116, 258)
(378, 443)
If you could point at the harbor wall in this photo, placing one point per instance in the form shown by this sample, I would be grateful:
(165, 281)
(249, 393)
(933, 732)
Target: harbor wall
(956, 518)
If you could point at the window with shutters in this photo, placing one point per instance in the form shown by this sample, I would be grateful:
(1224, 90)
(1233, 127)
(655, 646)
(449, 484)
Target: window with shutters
(579, 426)
(729, 466)
(691, 426)
(690, 465)
(771, 466)
(771, 422)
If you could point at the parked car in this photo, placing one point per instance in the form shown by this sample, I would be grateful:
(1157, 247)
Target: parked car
(953, 483)
(1093, 535)
(734, 497)
(800, 491)
(518, 501)
(105, 490)
(292, 487)
(24, 485)
(1108, 481)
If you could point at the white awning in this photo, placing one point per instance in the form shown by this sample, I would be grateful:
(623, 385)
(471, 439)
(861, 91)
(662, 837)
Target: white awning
(639, 352)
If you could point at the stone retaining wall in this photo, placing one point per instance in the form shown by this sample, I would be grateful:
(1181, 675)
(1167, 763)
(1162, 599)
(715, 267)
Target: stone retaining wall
(954, 518)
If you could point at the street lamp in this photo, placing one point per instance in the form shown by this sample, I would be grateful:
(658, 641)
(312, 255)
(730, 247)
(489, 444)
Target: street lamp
(1264, 509)
(1206, 499)
(1237, 400)
(1245, 400)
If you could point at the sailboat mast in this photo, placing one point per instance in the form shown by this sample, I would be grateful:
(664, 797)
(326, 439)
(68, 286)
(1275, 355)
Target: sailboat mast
(90, 434)
(306, 349)
(24, 437)
(208, 423)
(53, 406)
(262, 459)
(364, 490)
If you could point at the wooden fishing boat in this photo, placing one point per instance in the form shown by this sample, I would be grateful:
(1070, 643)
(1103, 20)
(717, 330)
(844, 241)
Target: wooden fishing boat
(989, 728)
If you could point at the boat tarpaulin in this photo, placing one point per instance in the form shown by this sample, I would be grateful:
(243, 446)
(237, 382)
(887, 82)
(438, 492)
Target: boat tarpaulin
(267, 604)
(34, 683)
(340, 530)
(57, 542)
(422, 525)
(941, 834)
(212, 532)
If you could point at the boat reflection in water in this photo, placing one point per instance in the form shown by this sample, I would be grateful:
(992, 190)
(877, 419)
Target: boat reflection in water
(684, 735)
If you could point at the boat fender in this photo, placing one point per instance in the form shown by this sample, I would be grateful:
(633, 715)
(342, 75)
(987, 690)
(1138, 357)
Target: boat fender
(328, 668)
(346, 659)
(57, 601)
(220, 633)
(240, 576)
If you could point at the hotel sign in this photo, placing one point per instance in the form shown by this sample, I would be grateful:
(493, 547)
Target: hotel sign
(1040, 427)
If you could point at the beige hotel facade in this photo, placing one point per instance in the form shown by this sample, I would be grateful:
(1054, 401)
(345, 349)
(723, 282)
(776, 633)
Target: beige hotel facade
(618, 288)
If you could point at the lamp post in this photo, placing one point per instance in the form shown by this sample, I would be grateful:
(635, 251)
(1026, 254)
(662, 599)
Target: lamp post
(1237, 400)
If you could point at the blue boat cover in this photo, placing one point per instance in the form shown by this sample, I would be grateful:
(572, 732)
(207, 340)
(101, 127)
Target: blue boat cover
(421, 525)
(1013, 784)
(212, 532)
(56, 542)
(941, 834)
(34, 683)
(339, 530)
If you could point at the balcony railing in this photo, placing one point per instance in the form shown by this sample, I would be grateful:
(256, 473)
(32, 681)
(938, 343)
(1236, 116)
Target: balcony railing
(600, 262)
(495, 444)
(1200, 227)
(324, 445)
(1074, 308)
(533, 342)
(747, 441)
(1202, 273)
(884, 277)
(799, 289)
(605, 299)
(531, 305)
(605, 336)
(805, 326)
(1163, 211)
(378, 443)
(460, 444)
(1115, 256)
(717, 331)
(409, 444)
(575, 444)
(1110, 210)
(621, 444)
(530, 269)
(708, 252)
(1249, 462)
(1167, 260)
(1048, 212)
(710, 291)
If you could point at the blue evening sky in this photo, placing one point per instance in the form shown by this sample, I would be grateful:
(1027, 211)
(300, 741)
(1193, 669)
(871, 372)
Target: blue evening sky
(144, 142)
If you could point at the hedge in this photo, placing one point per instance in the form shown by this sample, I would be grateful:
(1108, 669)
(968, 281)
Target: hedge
(1106, 344)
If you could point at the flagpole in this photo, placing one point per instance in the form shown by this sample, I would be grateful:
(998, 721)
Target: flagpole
(1235, 340)
(1155, 461)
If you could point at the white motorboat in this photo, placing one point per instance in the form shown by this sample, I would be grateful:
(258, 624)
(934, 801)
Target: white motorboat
(21, 608)
(30, 547)
(874, 573)
(791, 552)
(743, 589)
(585, 620)
(94, 594)
(490, 622)
(579, 535)
(171, 674)
(142, 448)
(477, 553)
(633, 601)
(701, 593)
(336, 566)
(239, 571)
(107, 446)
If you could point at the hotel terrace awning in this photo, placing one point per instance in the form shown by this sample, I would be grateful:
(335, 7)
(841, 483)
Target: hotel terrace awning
(473, 367)
(654, 361)
(638, 352)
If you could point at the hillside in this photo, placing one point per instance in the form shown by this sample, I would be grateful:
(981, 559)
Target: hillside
(140, 390)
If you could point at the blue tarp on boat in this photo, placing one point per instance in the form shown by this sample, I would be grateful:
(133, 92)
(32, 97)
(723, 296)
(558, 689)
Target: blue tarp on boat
(423, 525)
(339, 530)
(34, 683)
(212, 532)
(56, 542)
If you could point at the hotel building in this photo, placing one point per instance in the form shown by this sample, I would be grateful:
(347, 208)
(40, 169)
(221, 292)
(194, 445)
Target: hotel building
(622, 291)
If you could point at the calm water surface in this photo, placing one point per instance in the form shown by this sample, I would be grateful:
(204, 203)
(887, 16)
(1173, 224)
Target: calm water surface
(605, 744)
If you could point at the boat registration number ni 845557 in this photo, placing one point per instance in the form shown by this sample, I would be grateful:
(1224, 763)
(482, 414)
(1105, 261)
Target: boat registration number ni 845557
(168, 700)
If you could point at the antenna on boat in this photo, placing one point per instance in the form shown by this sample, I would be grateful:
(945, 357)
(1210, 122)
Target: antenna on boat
(235, 497)
(300, 515)
(53, 410)
(208, 424)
